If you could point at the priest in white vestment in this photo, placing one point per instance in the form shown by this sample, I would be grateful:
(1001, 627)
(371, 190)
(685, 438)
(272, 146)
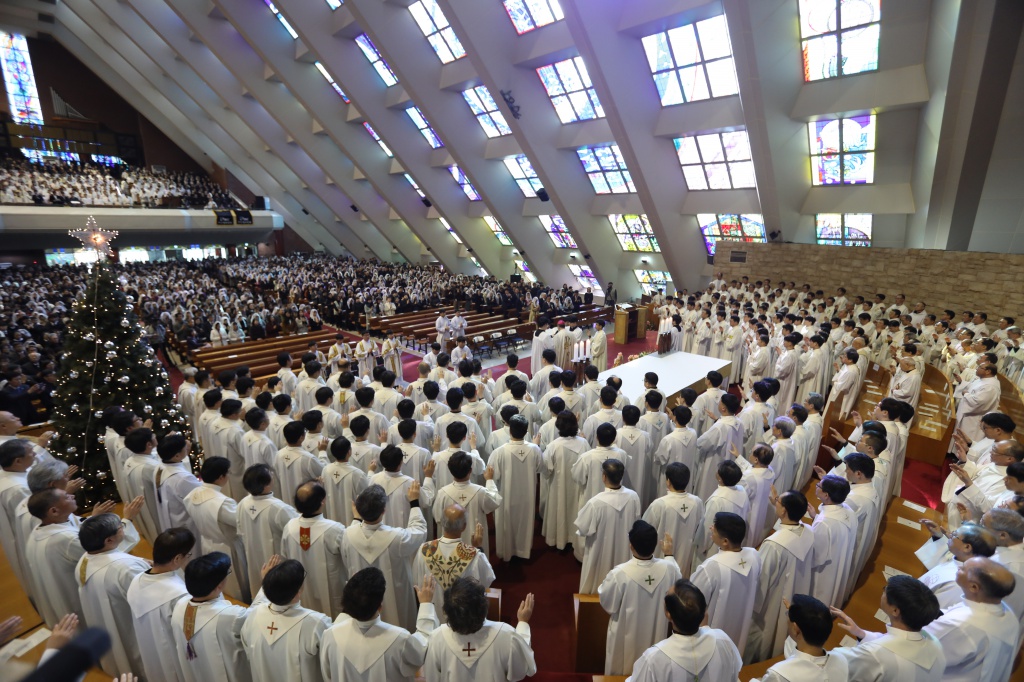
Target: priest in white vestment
(516, 465)
(366, 353)
(369, 542)
(175, 480)
(809, 624)
(729, 578)
(981, 396)
(679, 514)
(470, 648)
(315, 542)
(787, 370)
(562, 504)
(633, 594)
(54, 550)
(708, 401)
(152, 596)
(835, 536)
(207, 627)
(261, 521)
(864, 501)
(16, 458)
(693, 651)
(139, 473)
(227, 440)
(906, 652)
(360, 647)
(758, 481)
(757, 416)
(679, 445)
(216, 516)
(979, 635)
(343, 482)
(729, 496)
(282, 638)
(638, 445)
(715, 444)
(104, 573)
(477, 500)
(787, 560)
(294, 464)
(603, 527)
(586, 470)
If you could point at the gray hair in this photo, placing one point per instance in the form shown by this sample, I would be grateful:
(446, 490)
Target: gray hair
(1006, 521)
(455, 526)
(786, 425)
(44, 474)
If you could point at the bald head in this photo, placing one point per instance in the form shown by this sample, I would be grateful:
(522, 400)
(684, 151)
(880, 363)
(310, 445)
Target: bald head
(454, 523)
(984, 580)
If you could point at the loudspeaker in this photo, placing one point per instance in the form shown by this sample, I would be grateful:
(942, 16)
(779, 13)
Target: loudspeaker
(542, 194)
(515, 279)
(260, 203)
(426, 202)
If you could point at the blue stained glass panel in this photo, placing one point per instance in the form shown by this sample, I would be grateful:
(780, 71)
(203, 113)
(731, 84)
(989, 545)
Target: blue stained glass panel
(19, 80)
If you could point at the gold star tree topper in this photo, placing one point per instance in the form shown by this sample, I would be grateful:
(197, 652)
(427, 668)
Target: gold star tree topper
(95, 237)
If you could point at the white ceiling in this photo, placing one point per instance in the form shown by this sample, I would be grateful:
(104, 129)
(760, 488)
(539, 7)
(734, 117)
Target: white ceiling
(225, 78)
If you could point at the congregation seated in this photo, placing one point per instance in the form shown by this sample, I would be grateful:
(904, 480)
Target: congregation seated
(65, 183)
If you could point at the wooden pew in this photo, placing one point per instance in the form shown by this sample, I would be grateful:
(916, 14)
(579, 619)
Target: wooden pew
(1011, 404)
(589, 638)
(289, 341)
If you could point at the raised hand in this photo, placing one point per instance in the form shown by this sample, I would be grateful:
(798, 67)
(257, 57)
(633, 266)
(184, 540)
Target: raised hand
(74, 486)
(733, 451)
(344, 418)
(383, 436)
(961, 473)
(525, 611)
(478, 535)
(10, 627)
(667, 545)
(857, 419)
(132, 509)
(63, 632)
(436, 443)
(819, 472)
(72, 470)
(103, 508)
(414, 491)
(271, 562)
(489, 474)
(322, 445)
(425, 590)
(428, 470)
(472, 439)
(373, 466)
(847, 623)
(965, 512)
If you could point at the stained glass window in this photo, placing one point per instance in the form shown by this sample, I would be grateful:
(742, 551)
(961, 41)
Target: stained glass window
(523, 268)
(733, 227)
(280, 17)
(559, 233)
(330, 79)
(335, 4)
(716, 161)
(522, 170)
(634, 233)
(568, 85)
(421, 123)
(373, 56)
(439, 33)
(844, 229)
(498, 230)
(840, 37)
(464, 183)
(842, 150)
(448, 227)
(653, 280)
(486, 111)
(692, 62)
(415, 185)
(19, 80)
(374, 135)
(527, 15)
(606, 169)
(585, 276)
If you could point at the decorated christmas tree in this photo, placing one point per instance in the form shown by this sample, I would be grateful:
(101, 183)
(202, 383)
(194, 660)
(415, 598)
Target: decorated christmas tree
(106, 361)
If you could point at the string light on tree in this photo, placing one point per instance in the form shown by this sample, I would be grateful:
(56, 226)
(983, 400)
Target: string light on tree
(103, 322)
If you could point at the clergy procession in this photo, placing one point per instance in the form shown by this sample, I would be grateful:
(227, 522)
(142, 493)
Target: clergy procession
(344, 522)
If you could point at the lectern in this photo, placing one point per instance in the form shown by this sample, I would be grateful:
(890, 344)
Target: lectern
(630, 323)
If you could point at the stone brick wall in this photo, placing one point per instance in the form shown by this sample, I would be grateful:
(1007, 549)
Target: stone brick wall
(958, 280)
